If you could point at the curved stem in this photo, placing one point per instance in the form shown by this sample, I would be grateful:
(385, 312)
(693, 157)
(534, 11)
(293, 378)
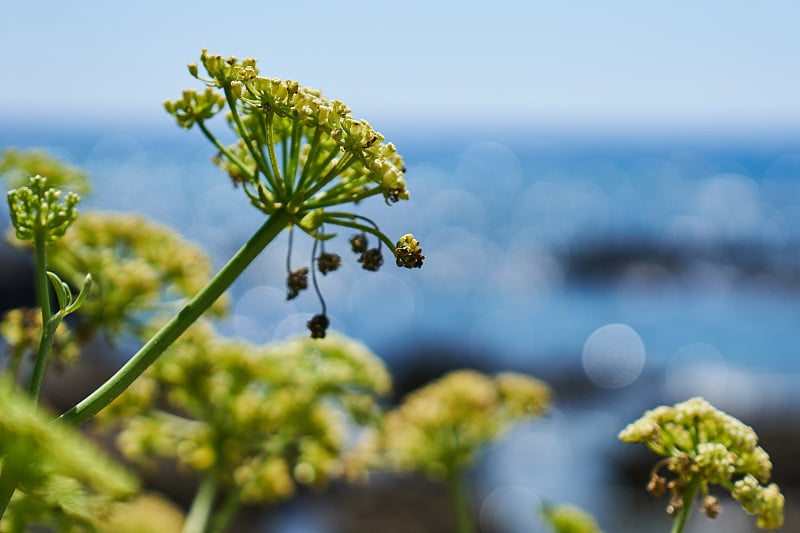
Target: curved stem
(273, 159)
(330, 198)
(688, 502)
(225, 513)
(333, 218)
(340, 166)
(457, 492)
(150, 352)
(43, 294)
(202, 505)
(312, 155)
(243, 132)
(45, 345)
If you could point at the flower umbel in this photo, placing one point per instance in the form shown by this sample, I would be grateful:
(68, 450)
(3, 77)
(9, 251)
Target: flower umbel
(299, 154)
(704, 446)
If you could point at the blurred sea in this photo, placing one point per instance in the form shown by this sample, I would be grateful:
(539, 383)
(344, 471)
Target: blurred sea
(650, 265)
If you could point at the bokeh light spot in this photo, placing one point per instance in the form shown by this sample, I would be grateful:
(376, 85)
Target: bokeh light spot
(509, 509)
(613, 356)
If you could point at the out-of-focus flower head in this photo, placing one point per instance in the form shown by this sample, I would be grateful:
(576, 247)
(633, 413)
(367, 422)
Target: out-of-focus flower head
(17, 166)
(138, 267)
(440, 428)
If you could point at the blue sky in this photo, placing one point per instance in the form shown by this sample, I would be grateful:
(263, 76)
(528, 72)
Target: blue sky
(728, 63)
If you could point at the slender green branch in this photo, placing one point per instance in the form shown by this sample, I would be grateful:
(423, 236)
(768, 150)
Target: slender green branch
(312, 155)
(294, 157)
(457, 492)
(8, 484)
(333, 219)
(243, 132)
(689, 496)
(45, 345)
(148, 354)
(43, 294)
(340, 166)
(202, 505)
(225, 513)
(328, 199)
(319, 168)
(272, 157)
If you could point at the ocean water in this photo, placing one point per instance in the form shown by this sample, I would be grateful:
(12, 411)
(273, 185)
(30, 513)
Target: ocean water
(502, 216)
(698, 295)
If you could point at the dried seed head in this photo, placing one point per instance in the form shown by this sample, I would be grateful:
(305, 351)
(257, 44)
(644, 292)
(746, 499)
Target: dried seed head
(371, 259)
(657, 485)
(358, 242)
(674, 506)
(328, 262)
(318, 325)
(296, 282)
(711, 506)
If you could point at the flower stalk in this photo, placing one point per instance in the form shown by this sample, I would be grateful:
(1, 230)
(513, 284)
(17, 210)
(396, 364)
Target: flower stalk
(150, 352)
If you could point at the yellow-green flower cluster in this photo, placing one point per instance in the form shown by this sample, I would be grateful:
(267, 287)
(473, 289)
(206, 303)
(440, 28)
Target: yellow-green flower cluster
(62, 479)
(259, 419)
(296, 150)
(136, 265)
(702, 442)
(766, 502)
(38, 210)
(440, 428)
(296, 156)
(17, 166)
(269, 111)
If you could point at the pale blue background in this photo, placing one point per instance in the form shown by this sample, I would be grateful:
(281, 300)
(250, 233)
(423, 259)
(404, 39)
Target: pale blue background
(717, 64)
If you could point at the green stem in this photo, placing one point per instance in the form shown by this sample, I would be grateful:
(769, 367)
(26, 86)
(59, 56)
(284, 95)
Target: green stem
(43, 294)
(45, 345)
(202, 505)
(8, 484)
(457, 492)
(340, 166)
(688, 502)
(294, 158)
(225, 513)
(273, 159)
(243, 132)
(312, 155)
(148, 354)
(348, 195)
(334, 218)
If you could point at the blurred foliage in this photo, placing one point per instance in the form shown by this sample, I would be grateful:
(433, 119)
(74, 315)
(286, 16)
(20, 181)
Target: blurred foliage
(258, 419)
(139, 268)
(63, 480)
(147, 513)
